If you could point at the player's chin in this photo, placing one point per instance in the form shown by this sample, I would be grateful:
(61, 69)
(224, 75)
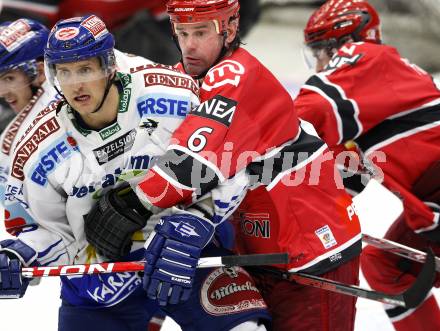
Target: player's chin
(194, 70)
(84, 108)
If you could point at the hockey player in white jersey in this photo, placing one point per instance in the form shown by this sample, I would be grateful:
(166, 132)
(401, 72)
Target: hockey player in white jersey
(22, 84)
(108, 127)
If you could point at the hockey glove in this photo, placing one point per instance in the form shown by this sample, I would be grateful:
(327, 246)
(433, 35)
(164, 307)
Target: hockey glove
(111, 223)
(14, 254)
(172, 253)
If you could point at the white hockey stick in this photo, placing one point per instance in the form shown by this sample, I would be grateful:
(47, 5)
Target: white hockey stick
(399, 249)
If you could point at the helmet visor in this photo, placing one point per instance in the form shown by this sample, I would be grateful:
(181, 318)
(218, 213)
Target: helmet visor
(74, 72)
(315, 57)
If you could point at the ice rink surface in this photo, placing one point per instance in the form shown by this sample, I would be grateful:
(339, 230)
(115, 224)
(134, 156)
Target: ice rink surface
(278, 47)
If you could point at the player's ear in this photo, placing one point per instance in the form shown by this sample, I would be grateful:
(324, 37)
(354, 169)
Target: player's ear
(231, 31)
(41, 77)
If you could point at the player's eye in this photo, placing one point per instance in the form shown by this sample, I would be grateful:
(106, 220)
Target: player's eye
(85, 71)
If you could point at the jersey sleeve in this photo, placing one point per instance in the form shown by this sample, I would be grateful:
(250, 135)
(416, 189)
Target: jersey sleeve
(314, 107)
(419, 215)
(239, 120)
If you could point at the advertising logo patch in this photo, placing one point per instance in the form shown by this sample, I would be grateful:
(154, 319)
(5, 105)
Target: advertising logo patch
(28, 147)
(67, 33)
(95, 25)
(15, 34)
(255, 224)
(149, 125)
(110, 131)
(229, 291)
(115, 147)
(219, 109)
(59, 151)
(165, 105)
(153, 79)
(326, 236)
(227, 72)
(17, 122)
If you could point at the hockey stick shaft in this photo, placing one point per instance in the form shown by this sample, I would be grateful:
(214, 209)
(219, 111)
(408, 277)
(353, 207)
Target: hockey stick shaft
(410, 298)
(109, 267)
(399, 249)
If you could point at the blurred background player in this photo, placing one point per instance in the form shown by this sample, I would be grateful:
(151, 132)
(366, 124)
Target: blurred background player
(129, 21)
(22, 85)
(308, 218)
(366, 98)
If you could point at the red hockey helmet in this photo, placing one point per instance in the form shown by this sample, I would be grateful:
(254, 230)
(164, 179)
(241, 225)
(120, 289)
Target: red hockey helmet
(193, 11)
(340, 18)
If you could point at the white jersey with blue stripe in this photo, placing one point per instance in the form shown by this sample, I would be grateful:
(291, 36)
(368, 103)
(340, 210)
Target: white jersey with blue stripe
(60, 169)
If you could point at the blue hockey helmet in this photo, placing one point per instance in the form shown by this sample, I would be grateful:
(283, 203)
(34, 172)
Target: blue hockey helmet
(78, 39)
(21, 45)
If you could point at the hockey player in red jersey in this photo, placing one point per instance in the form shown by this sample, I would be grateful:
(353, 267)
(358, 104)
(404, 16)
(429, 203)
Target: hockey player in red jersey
(239, 135)
(365, 97)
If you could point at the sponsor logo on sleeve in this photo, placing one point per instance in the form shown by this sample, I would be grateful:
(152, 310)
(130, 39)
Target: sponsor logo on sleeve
(163, 105)
(28, 147)
(155, 78)
(59, 151)
(326, 236)
(227, 72)
(218, 108)
(15, 34)
(115, 147)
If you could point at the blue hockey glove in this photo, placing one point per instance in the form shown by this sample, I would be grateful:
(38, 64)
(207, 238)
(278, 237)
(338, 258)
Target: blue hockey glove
(13, 254)
(172, 253)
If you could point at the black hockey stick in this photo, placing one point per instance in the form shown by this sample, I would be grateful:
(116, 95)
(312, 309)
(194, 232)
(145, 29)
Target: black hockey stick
(410, 298)
(399, 249)
(109, 267)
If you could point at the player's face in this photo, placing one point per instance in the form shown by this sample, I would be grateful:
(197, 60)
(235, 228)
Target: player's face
(200, 44)
(322, 60)
(82, 83)
(15, 88)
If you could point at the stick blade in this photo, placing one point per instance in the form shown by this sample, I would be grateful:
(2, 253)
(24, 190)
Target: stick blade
(423, 284)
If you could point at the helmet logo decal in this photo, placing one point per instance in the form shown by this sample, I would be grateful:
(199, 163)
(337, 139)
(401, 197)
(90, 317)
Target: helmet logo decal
(67, 33)
(13, 35)
(95, 25)
(184, 9)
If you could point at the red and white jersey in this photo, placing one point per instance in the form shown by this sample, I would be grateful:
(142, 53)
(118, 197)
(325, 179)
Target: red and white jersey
(370, 95)
(246, 123)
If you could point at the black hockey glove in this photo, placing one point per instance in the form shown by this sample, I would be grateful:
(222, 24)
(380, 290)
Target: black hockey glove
(111, 223)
